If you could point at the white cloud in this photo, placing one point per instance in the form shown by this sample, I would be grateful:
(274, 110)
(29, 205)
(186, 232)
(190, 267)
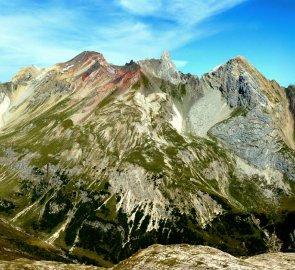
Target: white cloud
(180, 63)
(191, 12)
(187, 12)
(143, 7)
(54, 33)
(137, 40)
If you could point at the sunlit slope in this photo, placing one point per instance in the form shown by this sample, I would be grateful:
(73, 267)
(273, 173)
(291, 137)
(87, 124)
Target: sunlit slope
(101, 160)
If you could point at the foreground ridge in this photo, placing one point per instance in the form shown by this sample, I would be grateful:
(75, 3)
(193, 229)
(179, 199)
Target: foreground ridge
(175, 257)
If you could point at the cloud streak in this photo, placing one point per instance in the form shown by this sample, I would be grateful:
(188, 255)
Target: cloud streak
(188, 12)
(55, 31)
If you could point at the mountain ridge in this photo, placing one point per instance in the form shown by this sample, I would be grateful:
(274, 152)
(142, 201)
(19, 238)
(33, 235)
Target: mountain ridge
(102, 160)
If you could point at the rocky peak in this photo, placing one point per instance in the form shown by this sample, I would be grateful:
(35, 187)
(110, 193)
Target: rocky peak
(84, 59)
(163, 68)
(241, 64)
(166, 56)
(240, 59)
(240, 83)
(26, 74)
(86, 55)
(167, 65)
(237, 63)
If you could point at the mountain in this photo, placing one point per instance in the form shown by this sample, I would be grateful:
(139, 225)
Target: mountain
(99, 160)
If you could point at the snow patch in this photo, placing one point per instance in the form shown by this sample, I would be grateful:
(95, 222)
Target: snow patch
(67, 68)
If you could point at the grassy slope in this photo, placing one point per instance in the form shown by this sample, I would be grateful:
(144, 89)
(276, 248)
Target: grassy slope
(52, 133)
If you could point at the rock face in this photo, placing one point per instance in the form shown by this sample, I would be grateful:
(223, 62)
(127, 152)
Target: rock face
(201, 257)
(163, 68)
(100, 160)
(256, 134)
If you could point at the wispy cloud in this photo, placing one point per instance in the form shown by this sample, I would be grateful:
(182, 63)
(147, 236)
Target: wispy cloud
(180, 63)
(187, 12)
(53, 31)
(143, 7)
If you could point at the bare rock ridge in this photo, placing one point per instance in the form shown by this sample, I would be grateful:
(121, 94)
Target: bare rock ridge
(201, 258)
(176, 257)
(99, 160)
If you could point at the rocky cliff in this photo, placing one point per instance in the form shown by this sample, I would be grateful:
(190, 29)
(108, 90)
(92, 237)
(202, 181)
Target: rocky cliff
(100, 160)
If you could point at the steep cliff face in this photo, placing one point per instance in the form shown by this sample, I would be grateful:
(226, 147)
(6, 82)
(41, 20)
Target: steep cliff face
(261, 134)
(101, 160)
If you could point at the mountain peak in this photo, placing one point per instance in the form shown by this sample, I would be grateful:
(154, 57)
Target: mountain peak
(240, 60)
(167, 62)
(86, 56)
(234, 62)
(166, 56)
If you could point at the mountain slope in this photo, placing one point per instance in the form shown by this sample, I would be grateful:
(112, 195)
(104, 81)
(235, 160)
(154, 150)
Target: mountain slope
(101, 160)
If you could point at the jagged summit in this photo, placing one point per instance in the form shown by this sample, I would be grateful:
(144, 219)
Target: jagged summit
(166, 56)
(167, 62)
(163, 68)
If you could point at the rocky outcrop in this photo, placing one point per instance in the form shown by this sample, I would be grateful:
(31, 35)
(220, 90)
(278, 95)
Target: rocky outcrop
(163, 68)
(238, 81)
(254, 138)
(202, 257)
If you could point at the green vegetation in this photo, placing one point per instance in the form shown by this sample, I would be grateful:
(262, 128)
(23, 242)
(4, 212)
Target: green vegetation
(6, 206)
(15, 244)
(60, 174)
(145, 81)
(68, 123)
(239, 111)
(106, 100)
(136, 86)
(176, 91)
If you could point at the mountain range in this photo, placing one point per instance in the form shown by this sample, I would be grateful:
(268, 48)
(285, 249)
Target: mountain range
(98, 161)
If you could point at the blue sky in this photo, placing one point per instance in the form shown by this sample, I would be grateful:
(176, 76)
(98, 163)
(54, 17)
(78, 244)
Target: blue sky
(200, 34)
